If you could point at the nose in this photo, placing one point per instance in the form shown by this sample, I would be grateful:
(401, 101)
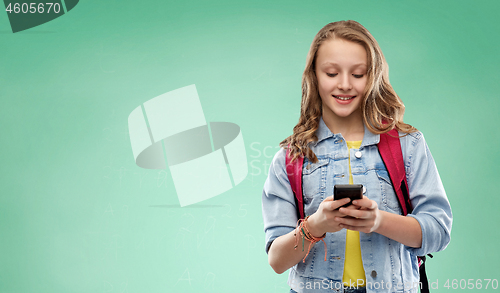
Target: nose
(344, 83)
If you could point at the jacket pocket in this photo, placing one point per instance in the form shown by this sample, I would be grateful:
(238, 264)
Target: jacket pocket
(314, 184)
(314, 177)
(389, 197)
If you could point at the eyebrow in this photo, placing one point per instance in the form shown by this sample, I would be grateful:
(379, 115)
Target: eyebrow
(335, 64)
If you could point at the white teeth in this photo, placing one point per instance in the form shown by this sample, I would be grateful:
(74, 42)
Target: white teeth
(343, 98)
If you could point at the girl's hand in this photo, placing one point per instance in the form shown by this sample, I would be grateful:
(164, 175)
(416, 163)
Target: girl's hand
(323, 220)
(366, 218)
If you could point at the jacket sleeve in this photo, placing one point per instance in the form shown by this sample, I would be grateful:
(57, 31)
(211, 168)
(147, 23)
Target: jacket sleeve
(278, 202)
(431, 207)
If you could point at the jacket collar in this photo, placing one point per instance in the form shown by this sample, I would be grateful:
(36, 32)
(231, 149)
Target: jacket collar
(323, 132)
(370, 138)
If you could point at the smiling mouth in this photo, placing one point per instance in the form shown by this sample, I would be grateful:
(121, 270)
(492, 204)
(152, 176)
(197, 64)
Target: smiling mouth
(344, 98)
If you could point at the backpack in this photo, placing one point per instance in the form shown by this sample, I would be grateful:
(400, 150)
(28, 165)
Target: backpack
(389, 148)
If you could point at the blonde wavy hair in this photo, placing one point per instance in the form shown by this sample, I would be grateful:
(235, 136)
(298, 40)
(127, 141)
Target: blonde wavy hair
(381, 108)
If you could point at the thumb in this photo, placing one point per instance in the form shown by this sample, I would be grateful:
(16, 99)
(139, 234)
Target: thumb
(330, 198)
(338, 203)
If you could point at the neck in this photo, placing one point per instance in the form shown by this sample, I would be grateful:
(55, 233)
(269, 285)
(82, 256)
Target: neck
(351, 127)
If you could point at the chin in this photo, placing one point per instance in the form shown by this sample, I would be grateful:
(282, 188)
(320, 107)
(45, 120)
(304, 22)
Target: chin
(344, 114)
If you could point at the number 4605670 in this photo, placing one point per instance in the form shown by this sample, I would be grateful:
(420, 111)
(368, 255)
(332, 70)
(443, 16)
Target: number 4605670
(33, 7)
(471, 284)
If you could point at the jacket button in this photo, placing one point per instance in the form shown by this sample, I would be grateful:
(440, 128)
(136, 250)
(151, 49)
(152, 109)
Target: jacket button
(358, 154)
(374, 274)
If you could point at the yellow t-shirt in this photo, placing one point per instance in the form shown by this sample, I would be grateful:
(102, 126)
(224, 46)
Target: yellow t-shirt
(353, 264)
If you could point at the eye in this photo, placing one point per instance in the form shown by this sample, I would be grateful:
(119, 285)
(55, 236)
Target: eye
(332, 74)
(358, 75)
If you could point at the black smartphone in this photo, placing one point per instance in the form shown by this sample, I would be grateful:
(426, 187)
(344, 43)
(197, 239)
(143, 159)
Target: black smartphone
(353, 191)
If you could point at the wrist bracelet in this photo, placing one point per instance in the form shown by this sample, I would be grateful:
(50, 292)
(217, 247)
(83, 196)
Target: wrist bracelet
(306, 234)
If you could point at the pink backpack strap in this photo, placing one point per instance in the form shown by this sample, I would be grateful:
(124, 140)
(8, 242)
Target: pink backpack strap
(390, 151)
(294, 172)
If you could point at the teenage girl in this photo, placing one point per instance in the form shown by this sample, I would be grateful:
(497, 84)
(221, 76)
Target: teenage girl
(347, 102)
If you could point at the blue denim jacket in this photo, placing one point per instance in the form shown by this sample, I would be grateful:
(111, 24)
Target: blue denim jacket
(389, 265)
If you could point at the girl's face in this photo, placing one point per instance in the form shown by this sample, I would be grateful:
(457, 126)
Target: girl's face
(341, 72)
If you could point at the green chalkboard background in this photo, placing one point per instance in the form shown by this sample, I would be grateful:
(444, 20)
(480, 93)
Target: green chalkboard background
(77, 214)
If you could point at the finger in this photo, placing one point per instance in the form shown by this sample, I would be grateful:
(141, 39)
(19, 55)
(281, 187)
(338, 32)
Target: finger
(365, 202)
(355, 224)
(352, 207)
(338, 203)
(351, 222)
(364, 229)
(355, 213)
(353, 228)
